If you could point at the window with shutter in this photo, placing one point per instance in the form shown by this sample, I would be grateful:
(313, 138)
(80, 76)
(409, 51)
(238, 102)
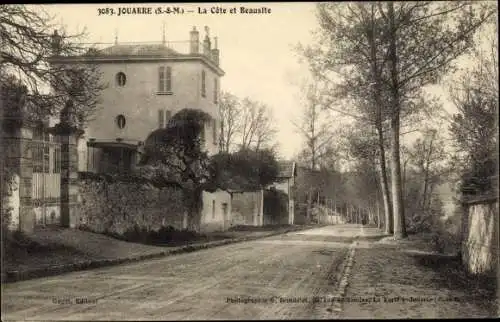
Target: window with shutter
(216, 91)
(161, 119)
(168, 80)
(161, 79)
(168, 115)
(214, 131)
(203, 88)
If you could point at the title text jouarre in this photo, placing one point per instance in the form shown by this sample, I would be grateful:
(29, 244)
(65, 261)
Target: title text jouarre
(234, 10)
(165, 10)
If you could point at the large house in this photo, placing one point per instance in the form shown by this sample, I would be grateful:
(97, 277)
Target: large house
(146, 85)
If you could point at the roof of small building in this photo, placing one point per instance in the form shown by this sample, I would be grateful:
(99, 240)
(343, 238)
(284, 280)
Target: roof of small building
(138, 50)
(287, 169)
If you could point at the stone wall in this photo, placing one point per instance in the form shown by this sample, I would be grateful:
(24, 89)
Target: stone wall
(247, 208)
(119, 206)
(480, 242)
(16, 158)
(216, 212)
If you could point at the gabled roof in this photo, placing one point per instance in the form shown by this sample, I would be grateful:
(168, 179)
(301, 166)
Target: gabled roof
(287, 169)
(137, 50)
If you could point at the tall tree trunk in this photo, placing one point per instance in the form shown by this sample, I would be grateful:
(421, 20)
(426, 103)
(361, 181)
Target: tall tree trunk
(375, 71)
(397, 195)
(379, 222)
(389, 227)
(397, 191)
(426, 175)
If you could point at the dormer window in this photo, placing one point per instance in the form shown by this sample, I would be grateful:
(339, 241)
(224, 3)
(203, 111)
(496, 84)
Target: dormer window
(121, 79)
(165, 80)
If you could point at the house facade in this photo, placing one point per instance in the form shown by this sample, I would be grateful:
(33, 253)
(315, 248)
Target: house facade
(146, 84)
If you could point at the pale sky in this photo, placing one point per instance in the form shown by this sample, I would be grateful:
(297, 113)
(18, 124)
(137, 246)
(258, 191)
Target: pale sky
(255, 49)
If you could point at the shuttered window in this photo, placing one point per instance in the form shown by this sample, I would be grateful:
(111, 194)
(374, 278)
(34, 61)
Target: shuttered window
(168, 79)
(203, 84)
(168, 115)
(161, 119)
(161, 79)
(216, 90)
(165, 79)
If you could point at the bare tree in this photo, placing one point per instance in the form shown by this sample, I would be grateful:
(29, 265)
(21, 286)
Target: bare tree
(474, 127)
(316, 127)
(416, 46)
(256, 129)
(29, 42)
(230, 115)
(245, 124)
(422, 44)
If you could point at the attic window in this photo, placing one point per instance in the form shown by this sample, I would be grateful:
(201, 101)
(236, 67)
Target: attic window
(121, 79)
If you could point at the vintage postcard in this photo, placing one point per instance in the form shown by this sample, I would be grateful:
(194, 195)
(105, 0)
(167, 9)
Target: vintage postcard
(248, 161)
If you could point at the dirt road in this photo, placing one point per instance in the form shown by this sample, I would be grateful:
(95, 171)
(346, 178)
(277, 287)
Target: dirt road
(272, 278)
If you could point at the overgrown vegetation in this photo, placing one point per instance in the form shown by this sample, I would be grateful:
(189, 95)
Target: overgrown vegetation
(177, 155)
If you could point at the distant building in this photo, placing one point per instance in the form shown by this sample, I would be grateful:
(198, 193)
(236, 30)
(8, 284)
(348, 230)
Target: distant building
(258, 207)
(286, 183)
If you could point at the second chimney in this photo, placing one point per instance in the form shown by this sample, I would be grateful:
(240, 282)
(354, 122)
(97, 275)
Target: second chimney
(195, 41)
(215, 52)
(206, 43)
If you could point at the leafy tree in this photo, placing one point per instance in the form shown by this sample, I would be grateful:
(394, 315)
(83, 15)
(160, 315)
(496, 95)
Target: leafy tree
(245, 169)
(176, 154)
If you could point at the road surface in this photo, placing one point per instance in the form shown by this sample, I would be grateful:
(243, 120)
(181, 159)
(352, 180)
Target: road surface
(272, 278)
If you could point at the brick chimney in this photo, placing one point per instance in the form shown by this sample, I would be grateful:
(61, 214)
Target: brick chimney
(195, 41)
(215, 52)
(206, 43)
(56, 43)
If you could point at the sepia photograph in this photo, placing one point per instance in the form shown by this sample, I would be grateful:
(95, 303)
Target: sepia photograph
(249, 161)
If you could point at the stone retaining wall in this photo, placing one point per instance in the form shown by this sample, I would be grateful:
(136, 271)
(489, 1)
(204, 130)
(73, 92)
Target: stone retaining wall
(480, 237)
(120, 206)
